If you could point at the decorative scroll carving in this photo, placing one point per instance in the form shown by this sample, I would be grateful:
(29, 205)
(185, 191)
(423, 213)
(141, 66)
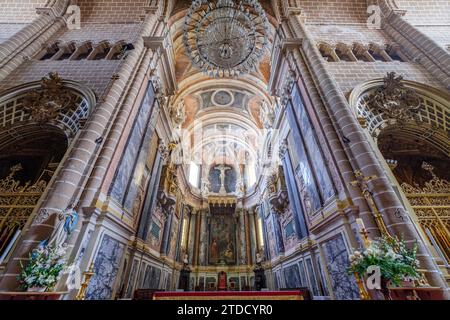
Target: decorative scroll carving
(277, 193)
(394, 100)
(241, 189)
(283, 149)
(272, 182)
(167, 204)
(160, 94)
(287, 88)
(280, 202)
(177, 113)
(45, 104)
(267, 115)
(9, 184)
(164, 151)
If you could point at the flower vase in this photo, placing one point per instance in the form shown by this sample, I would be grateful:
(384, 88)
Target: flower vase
(36, 289)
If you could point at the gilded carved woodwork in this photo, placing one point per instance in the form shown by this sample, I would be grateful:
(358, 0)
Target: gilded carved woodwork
(17, 202)
(171, 171)
(46, 103)
(435, 185)
(431, 204)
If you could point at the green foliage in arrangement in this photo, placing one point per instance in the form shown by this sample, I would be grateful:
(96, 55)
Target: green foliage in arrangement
(396, 261)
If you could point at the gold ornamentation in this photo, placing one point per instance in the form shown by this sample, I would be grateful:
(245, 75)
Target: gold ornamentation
(46, 103)
(9, 184)
(431, 205)
(17, 202)
(362, 289)
(394, 100)
(363, 182)
(87, 278)
(272, 182)
(435, 185)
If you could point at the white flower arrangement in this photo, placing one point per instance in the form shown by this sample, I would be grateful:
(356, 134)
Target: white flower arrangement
(44, 269)
(397, 263)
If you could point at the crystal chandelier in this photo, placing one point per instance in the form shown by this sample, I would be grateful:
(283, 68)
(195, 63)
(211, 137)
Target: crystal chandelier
(226, 38)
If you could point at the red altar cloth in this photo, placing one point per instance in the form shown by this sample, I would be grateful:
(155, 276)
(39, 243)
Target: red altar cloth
(231, 295)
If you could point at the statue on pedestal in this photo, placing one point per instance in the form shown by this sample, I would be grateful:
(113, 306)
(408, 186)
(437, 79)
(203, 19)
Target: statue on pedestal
(67, 223)
(185, 274)
(186, 262)
(260, 277)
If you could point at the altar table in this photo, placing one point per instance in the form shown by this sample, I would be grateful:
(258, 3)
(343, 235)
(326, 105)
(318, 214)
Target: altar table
(229, 295)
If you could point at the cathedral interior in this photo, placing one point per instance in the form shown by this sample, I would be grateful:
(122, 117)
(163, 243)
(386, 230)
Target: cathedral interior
(222, 146)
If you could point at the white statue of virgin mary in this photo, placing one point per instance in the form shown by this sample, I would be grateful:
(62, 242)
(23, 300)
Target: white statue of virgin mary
(67, 222)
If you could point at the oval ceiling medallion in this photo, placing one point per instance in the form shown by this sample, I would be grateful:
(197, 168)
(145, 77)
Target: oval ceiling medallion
(222, 98)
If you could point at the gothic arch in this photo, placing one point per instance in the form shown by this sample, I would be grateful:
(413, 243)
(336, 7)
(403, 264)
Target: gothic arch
(410, 126)
(433, 115)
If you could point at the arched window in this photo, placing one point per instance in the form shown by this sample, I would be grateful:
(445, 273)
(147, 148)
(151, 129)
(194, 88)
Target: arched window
(410, 125)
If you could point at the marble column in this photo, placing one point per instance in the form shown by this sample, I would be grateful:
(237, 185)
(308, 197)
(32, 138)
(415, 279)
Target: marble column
(167, 230)
(179, 245)
(247, 238)
(198, 222)
(253, 241)
(191, 239)
(242, 236)
(203, 248)
(278, 233)
(262, 212)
